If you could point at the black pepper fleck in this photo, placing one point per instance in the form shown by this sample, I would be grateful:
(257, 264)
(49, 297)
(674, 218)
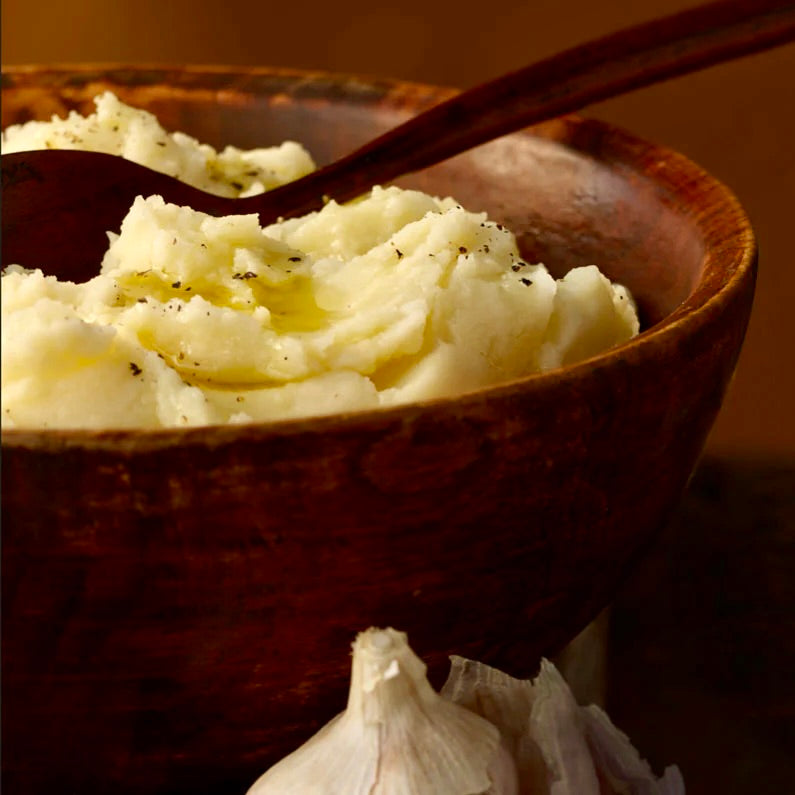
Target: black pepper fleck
(526, 282)
(135, 369)
(176, 285)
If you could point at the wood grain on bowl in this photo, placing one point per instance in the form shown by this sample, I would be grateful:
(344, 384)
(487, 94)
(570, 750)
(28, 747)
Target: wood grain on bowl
(178, 605)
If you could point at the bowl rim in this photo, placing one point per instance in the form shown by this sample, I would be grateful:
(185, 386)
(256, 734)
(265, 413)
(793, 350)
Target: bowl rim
(729, 262)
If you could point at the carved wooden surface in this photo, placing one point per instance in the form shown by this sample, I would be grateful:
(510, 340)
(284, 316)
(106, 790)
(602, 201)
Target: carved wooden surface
(178, 605)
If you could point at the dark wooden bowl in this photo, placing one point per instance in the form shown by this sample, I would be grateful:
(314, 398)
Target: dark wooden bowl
(178, 605)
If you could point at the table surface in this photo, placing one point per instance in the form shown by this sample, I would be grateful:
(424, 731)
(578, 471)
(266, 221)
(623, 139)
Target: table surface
(701, 665)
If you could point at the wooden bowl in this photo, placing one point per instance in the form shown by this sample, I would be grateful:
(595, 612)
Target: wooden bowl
(178, 604)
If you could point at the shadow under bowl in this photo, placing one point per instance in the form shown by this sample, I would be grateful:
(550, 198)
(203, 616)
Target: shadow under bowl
(178, 605)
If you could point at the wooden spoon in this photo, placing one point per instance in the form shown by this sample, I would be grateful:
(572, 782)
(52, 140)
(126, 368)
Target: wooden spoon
(57, 205)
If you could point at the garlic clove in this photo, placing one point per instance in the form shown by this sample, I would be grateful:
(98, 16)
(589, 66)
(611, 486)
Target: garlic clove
(619, 764)
(559, 747)
(397, 736)
(507, 703)
(556, 726)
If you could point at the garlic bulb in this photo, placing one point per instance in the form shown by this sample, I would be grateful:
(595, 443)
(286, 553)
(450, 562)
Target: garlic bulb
(397, 736)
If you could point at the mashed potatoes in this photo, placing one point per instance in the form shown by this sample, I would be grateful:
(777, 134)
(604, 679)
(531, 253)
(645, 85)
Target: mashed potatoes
(396, 297)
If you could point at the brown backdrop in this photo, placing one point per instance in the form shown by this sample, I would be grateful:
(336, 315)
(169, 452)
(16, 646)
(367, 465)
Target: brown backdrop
(737, 120)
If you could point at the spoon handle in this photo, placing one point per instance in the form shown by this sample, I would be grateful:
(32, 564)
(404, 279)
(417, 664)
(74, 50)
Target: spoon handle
(613, 65)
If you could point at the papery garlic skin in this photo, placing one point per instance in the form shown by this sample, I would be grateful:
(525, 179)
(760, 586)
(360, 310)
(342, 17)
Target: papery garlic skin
(397, 736)
(556, 726)
(507, 703)
(559, 747)
(619, 763)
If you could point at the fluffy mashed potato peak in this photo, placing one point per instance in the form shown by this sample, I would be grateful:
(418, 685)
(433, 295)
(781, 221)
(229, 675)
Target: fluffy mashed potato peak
(117, 129)
(196, 320)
